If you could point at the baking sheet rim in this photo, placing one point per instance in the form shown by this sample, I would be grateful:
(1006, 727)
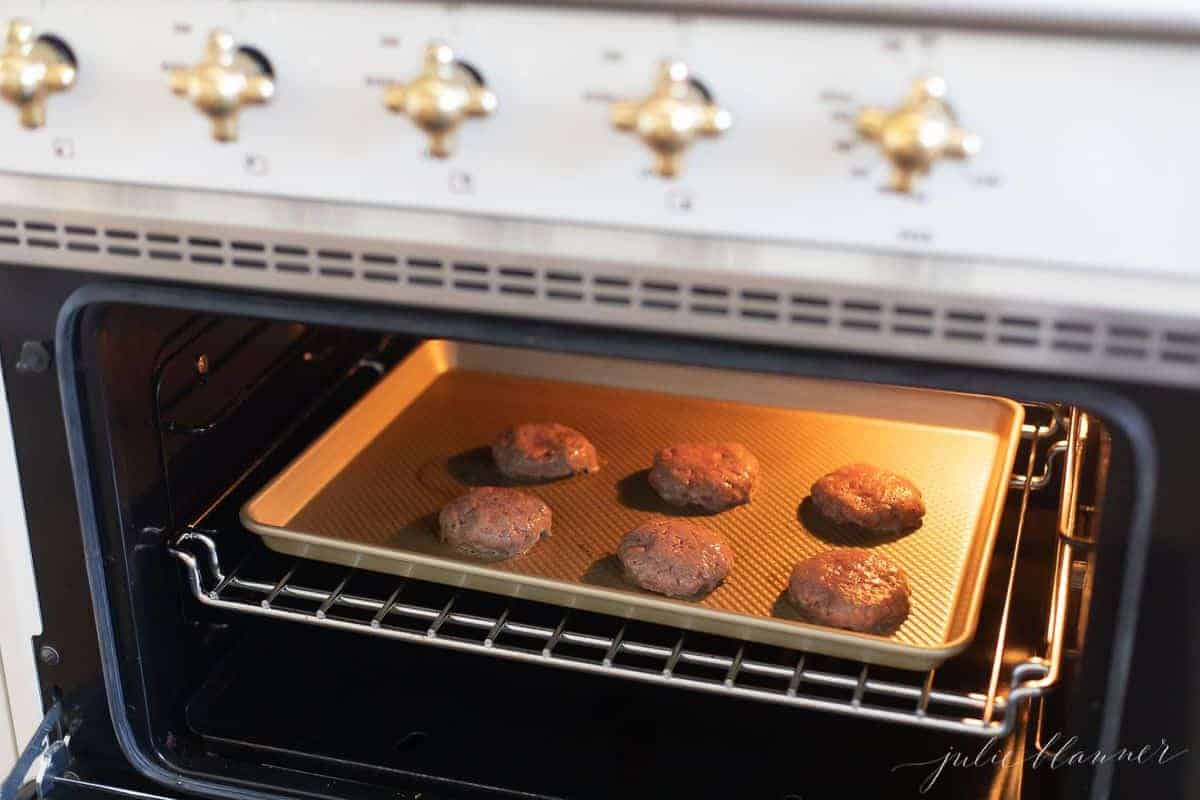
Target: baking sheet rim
(914, 656)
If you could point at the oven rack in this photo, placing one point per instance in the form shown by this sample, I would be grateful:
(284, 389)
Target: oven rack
(715, 665)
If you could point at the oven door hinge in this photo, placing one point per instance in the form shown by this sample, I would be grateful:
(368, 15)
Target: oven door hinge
(44, 764)
(43, 760)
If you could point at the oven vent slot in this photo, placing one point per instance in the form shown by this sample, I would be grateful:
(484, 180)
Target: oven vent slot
(709, 299)
(859, 314)
(910, 320)
(516, 282)
(1181, 347)
(755, 305)
(660, 295)
(778, 311)
(612, 290)
(810, 310)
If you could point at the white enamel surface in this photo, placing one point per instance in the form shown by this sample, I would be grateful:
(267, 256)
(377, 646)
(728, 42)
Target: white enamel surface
(8, 745)
(1087, 140)
(20, 700)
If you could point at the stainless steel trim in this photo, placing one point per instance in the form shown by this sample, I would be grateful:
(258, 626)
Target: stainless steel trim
(1152, 19)
(1136, 327)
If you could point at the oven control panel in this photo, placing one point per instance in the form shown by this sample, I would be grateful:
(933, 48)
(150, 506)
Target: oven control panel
(992, 144)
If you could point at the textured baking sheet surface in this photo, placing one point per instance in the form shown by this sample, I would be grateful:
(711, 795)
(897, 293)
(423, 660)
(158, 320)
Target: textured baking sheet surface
(385, 497)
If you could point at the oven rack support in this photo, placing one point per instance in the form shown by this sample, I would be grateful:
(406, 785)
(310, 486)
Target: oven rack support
(794, 678)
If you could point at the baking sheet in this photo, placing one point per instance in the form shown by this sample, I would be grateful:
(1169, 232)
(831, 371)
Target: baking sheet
(367, 492)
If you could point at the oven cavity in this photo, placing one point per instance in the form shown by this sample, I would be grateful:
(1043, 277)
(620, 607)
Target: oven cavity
(255, 656)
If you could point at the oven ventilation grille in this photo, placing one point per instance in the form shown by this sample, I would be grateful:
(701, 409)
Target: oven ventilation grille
(763, 310)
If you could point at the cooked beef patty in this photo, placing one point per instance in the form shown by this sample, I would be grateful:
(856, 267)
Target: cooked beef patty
(869, 497)
(494, 523)
(675, 557)
(712, 476)
(543, 450)
(850, 588)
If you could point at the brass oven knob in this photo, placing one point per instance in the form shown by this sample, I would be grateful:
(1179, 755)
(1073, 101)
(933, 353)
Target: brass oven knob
(669, 120)
(444, 94)
(31, 69)
(228, 79)
(917, 133)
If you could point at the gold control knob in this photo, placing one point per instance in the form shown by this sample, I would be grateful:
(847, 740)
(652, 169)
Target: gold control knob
(444, 94)
(31, 69)
(917, 133)
(227, 80)
(669, 120)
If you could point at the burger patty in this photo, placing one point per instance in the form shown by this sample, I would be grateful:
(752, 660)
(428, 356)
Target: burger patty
(713, 476)
(494, 523)
(675, 557)
(543, 450)
(850, 588)
(869, 497)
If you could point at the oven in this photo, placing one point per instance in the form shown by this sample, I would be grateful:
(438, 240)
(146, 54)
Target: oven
(226, 230)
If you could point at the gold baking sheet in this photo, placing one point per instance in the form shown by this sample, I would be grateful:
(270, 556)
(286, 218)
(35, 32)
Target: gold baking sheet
(367, 492)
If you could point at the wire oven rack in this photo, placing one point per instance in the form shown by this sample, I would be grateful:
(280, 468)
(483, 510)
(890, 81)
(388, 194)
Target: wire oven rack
(569, 639)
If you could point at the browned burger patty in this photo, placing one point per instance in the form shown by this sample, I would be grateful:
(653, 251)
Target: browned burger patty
(543, 450)
(850, 588)
(712, 476)
(494, 523)
(869, 497)
(675, 557)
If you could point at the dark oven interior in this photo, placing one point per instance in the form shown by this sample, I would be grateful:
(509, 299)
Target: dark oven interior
(238, 667)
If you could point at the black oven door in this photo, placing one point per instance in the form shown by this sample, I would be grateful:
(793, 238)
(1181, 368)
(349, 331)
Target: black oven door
(74, 755)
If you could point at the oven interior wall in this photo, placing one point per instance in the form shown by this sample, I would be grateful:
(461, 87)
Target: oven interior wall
(214, 695)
